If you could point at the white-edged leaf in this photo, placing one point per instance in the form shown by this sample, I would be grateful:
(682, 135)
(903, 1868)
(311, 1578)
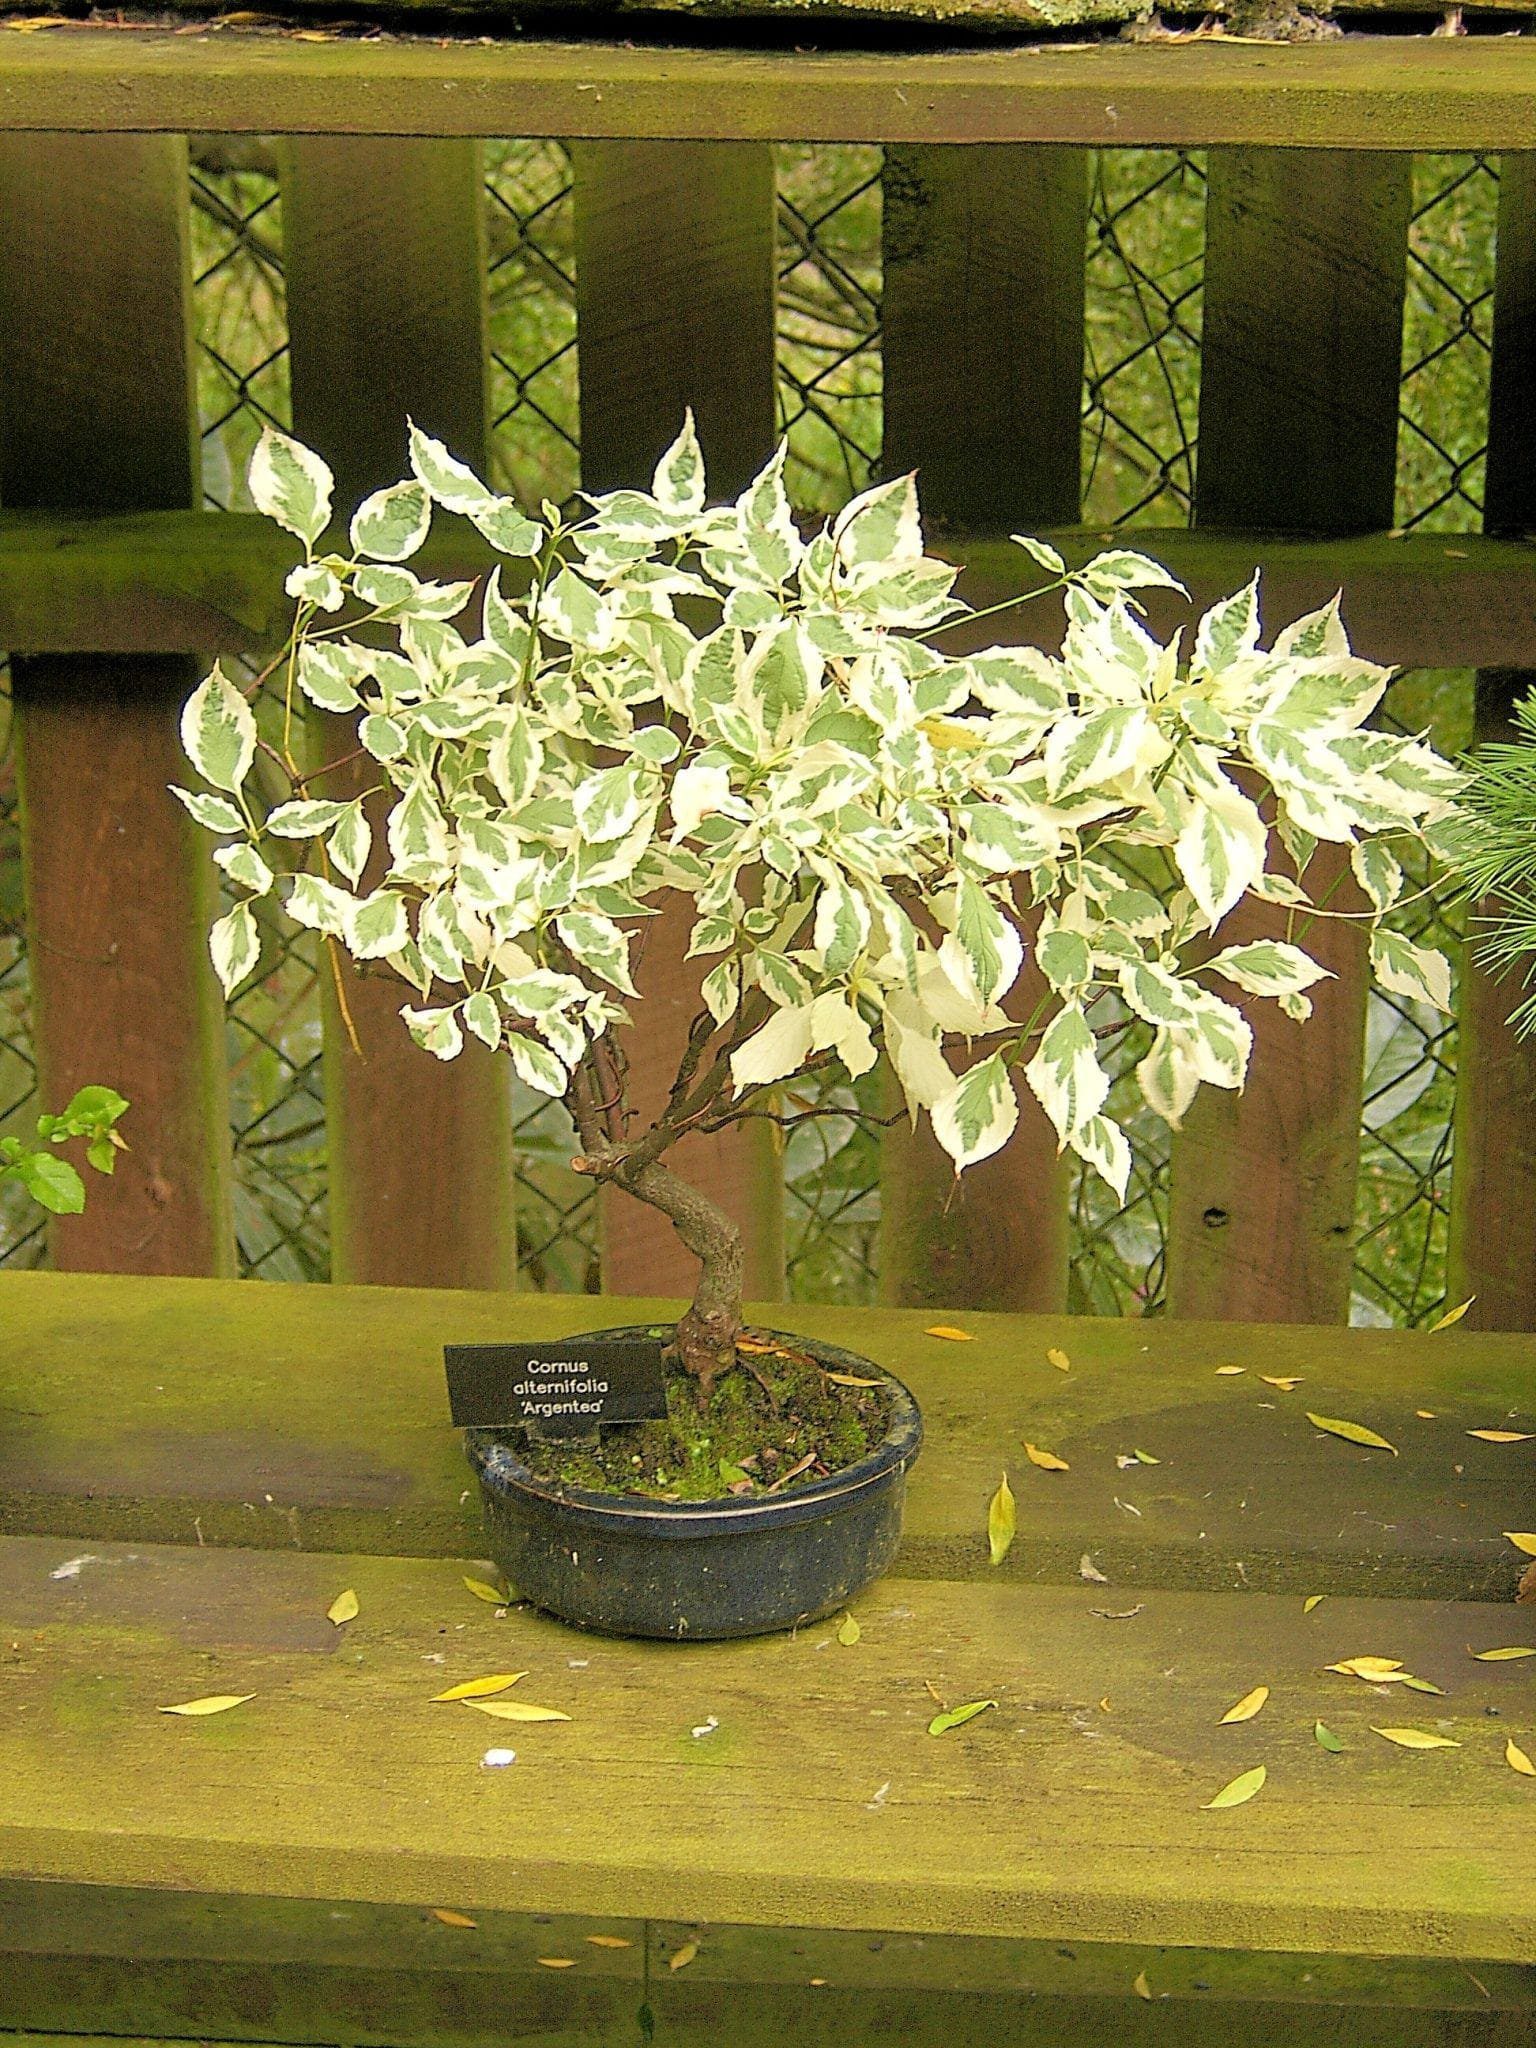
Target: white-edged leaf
(234, 945)
(1377, 870)
(306, 818)
(1101, 1144)
(536, 1065)
(329, 674)
(977, 1116)
(1268, 967)
(218, 732)
(778, 1050)
(984, 952)
(1409, 970)
(377, 927)
(599, 945)
(435, 1031)
(1220, 852)
(451, 483)
(678, 484)
(391, 525)
(1065, 1074)
(289, 483)
(213, 813)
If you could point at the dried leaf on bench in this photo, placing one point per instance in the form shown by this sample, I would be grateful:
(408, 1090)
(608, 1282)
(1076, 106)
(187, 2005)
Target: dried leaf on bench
(1352, 1432)
(1247, 1706)
(1526, 1590)
(496, 1595)
(848, 1379)
(1286, 1382)
(516, 1710)
(1522, 1539)
(848, 1631)
(1239, 1792)
(1416, 1684)
(1505, 1656)
(1326, 1739)
(956, 1717)
(1452, 1315)
(681, 1958)
(1141, 1987)
(1415, 1738)
(1226, 1372)
(213, 1703)
(557, 1962)
(1088, 1570)
(1375, 1668)
(1002, 1521)
(1503, 1436)
(1517, 1759)
(1046, 1460)
(480, 1688)
(1057, 1357)
(1313, 1600)
(451, 1919)
(343, 1608)
(609, 1941)
(950, 1334)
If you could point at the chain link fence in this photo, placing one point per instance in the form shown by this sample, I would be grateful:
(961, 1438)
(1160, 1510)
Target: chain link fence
(1144, 272)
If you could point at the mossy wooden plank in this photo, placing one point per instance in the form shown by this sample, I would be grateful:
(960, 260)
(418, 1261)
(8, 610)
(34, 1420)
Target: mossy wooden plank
(1396, 93)
(1052, 1817)
(1299, 368)
(98, 1960)
(173, 582)
(97, 414)
(1492, 1249)
(676, 270)
(316, 1416)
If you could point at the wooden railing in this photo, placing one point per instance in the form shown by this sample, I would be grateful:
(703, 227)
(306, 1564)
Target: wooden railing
(110, 583)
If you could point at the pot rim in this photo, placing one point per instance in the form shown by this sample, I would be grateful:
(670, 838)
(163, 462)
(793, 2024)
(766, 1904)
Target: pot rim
(501, 1470)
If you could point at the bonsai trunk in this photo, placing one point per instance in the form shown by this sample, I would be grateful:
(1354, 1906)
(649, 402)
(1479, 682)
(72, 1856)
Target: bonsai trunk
(707, 1332)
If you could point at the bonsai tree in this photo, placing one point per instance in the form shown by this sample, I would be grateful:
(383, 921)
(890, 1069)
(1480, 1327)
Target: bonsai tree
(37, 1167)
(864, 814)
(1495, 852)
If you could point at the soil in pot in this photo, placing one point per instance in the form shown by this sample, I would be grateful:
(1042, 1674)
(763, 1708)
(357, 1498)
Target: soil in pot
(777, 1421)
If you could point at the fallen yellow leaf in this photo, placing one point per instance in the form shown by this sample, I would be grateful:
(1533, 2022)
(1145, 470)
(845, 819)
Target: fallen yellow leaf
(1503, 1656)
(609, 1941)
(343, 1608)
(1227, 1371)
(479, 1688)
(1247, 1706)
(497, 1596)
(1517, 1759)
(1046, 1460)
(1141, 1987)
(1367, 1667)
(1452, 1315)
(1239, 1792)
(214, 1703)
(1002, 1521)
(1352, 1432)
(1313, 1600)
(682, 1957)
(451, 1919)
(1057, 1357)
(1286, 1382)
(557, 1962)
(1522, 1540)
(848, 1631)
(1502, 1436)
(516, 1710)
(1416, 1738)
(1426, 1414)
(950, 1334)
(848, 1379)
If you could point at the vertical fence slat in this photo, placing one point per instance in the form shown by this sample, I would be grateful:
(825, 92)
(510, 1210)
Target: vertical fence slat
(384, 257)
(1300, 363)
(983, 376)
(96, 414)
(675, 299)
(1493, 1184)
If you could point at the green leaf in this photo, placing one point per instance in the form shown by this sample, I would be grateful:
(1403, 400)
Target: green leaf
(1104, 1146)
(219, 732)
(235, 947)
(245, 868)
(956, 1717)
(1239, 1792)
(1121, 569)
(1326, 1739)
(1377, 871)
(978, 1114)
(51, 1182)
(391, 525)
(1352, 1432)
(289, 483)
(880, 525)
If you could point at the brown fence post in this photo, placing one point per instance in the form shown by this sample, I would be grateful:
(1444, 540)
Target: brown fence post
(983, 357)
(675, 309)
(1300, 363)
(97, 415)
(384, 256)
(1493, 1181)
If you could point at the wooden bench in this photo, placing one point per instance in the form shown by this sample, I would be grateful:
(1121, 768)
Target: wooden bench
(191, 1471)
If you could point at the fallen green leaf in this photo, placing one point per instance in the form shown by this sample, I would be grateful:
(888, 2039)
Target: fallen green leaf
(497, 1596)
(1352, 1432)
(1415, 1738)
(956, 1717)
(1239, 1792)
(1326, 1739)
(1506, 1656)
(848, 1632)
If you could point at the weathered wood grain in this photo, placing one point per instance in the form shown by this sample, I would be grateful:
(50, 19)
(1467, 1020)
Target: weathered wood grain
(1386, 93)
(675, 301)
(283, 1416)
(96, 414)
(384, 255)
(338, 1780)
(1300, 357)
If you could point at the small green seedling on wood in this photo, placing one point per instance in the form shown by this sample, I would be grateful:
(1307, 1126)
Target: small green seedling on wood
(868, 813)
(51, 1180)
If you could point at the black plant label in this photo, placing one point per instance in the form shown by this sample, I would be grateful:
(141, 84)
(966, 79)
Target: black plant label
(572, 1387)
